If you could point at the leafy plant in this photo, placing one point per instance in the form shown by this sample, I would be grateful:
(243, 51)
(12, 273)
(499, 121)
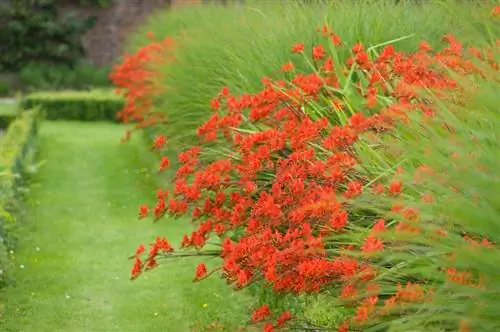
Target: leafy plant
(45, 37)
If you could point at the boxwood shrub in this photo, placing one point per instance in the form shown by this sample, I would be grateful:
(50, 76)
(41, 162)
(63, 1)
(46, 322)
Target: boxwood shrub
(17, 148)
(90, 105)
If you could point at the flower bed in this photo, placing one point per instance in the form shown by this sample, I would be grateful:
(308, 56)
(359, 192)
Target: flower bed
(305, 192)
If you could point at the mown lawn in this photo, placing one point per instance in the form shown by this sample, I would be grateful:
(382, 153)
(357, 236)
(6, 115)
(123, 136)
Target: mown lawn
(72, 272)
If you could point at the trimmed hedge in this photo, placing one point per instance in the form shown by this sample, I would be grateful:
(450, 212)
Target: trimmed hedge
(8, 114)
(16, 152)
(76, 105)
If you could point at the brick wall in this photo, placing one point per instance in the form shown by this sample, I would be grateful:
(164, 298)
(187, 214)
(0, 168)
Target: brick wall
(104, 42)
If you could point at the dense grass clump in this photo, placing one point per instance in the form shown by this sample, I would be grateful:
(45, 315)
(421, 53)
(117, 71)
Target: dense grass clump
(235, 46)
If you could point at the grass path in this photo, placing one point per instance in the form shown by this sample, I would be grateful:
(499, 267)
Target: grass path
(72, 268)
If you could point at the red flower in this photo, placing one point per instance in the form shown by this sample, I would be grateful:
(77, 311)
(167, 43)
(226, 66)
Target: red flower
(372, 244)
(287, 66)
(137, 269)
(396, 187)
(283, 318)
(336, 40)
(325, 31)
(151, 264)
(348, 291)
(379, 226)
(143, 211)
(224, 91)
(159, 209)
(328, 65)
(201, 271)
(298, 48)
(150, 34)
(344, 327)
(140, 249)
(318, 52)
(159, 142)
(495, 11)
(215, 104)
(261, 313)
(357, 48)
(354, 189)
(268, 327)
(164, 163)
(338, 221)
(424, 46)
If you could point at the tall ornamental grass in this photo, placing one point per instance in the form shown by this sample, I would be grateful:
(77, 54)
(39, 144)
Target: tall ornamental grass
(235, 46)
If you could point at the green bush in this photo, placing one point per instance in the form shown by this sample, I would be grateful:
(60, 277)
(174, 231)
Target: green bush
(46, 36)
(4, 89)
(16, 151)
(62, 77)
(76, 105)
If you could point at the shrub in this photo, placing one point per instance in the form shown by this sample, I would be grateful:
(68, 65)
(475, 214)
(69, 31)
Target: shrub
(4, 89)
(76, 105)
(16, 151)
(45, 37)
(83, 76)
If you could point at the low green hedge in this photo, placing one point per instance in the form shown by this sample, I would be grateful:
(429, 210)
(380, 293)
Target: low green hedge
(17, 148)
(91, 105)
(8, 113)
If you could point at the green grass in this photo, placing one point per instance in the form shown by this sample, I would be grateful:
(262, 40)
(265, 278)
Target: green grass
(71, 265)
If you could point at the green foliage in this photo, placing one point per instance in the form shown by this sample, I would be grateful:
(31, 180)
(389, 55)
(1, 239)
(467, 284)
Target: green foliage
(246, 43)
(46, 38)
(76, 105)
(100, 3)
(16, 147)
(83, 76)
(4, 89)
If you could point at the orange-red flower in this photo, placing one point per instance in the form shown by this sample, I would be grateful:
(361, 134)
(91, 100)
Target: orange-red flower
(164, 163)
(143, 211)
(396, 187)
(261, 313)
(287, 66)
(318, 52)
(372, 244)
(159, 142)
(298, 48)
(201, 271)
